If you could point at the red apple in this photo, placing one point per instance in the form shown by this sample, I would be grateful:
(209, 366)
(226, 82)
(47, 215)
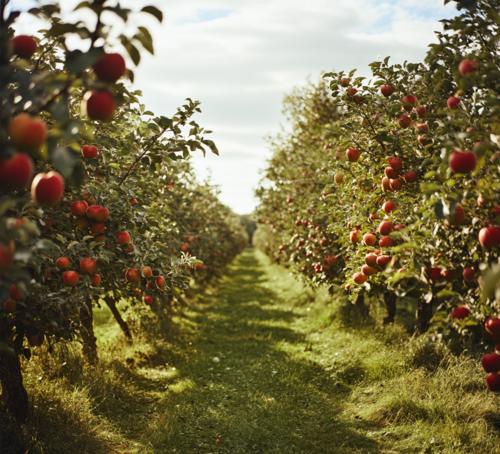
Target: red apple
(492, 325)
(467, 66)
(396, 184)
(98, 105)
(387, 241)
(353, 237)
(28, 133)
(10, 306)
(371, 259)
(493, 382)
(16, 172)
(148, 300)
(399, 227)
(491, 363)
(385, 227)
(94, 210)
(352, 154)
(409, 102)
(395, 163)
(489, 237)
(24, 46)
(383, 261)
(411, 177)
(348, 287)
(98, 227)
(89, 151)
(462, 161)
(386, 184)
(368, 270)
(110, 67)
(344, 82)
(404, 121)
(47, 188)
(389, 207)
(435, 273)
(360, 278)
(101, 216)
(160, 281)
(133, 275)
(469, 274)
(391, 173)
(453, 102)
(123, 237)
(147, 272)
(421, 112)
(63, 263)
(70, 278)
(14, 293)
(79, 208)
(386, 90)
(87, 265)
(352, 91)
(184, 247)
(369, 239)
(459, 313)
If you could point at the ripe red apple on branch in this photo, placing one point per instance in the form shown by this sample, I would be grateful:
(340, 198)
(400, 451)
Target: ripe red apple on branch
(88, 265)
(467, 66)
(110, 67)
(98, 105)
(16, 172)
(352, 154)
(459, 313)
(70, 278)
(47, 188)
(133, 275)
(63, 263)
(489, 237)
(123, 237)
(89, 151)
(386, 90)
(409, 102)
(79, 208)
(28, 133)
(462, 161)
(23, 46)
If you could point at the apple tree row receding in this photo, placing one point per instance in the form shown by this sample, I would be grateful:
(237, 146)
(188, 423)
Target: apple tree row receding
(97, 199)
(389, 186)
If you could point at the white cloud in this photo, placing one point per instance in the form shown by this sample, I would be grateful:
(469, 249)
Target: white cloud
(240, 58)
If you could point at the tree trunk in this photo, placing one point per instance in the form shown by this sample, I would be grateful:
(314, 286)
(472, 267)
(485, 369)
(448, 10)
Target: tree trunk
(111, 302)
(363, 309)
(89, 339)
(390, 306)
(13, 390)
(424, 316)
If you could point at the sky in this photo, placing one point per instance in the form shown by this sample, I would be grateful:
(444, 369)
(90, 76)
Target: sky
(240, 59)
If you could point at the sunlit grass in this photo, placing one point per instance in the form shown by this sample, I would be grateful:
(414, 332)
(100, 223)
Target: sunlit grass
(259, 364)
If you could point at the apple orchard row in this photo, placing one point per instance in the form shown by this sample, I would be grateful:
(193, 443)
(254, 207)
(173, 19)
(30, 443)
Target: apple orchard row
(97, 201)
(390, 186)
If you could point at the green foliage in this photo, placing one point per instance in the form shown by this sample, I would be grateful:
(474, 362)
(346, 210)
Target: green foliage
(303, 181)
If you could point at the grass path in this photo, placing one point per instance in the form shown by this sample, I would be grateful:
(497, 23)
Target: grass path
(258, 364)
(248, 378)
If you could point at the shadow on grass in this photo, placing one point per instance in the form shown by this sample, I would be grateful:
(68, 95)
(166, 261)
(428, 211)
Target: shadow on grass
(250, 379)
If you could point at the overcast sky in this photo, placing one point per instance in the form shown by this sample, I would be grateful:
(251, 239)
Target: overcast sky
(240, 58)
